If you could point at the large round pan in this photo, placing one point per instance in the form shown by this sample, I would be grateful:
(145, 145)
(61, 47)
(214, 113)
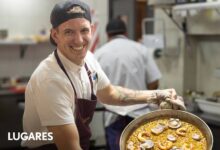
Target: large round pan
(155, 115)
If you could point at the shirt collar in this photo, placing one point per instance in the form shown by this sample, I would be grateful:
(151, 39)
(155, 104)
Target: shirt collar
(119, 36)
(68, 64)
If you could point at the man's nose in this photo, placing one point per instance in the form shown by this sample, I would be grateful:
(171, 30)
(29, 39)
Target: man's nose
(78, 38)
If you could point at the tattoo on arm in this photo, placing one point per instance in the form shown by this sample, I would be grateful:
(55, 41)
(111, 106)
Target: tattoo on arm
(124, 94)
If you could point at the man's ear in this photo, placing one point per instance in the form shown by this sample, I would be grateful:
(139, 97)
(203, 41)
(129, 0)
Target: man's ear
(93, 29)
(54, 34)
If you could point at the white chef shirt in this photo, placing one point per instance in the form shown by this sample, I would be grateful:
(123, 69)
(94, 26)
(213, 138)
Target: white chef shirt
(49, 96)
(129, 64)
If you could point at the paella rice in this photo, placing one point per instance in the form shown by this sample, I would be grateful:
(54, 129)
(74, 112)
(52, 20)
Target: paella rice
(186, 137)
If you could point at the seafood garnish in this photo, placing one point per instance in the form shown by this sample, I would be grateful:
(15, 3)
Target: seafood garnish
(187, 146)
(181, 131)
(142, 136)
(171, 138)
(148, 144)
(130, 145)
(159, 128)
(174, 123)
(196, 137)
(176, 148)
(165, 145)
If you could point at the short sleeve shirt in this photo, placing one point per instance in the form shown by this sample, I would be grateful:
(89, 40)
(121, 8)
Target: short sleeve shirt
(49, 96)
(128, 64)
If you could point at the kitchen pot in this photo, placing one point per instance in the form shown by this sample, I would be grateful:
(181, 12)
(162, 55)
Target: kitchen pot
(155, 115)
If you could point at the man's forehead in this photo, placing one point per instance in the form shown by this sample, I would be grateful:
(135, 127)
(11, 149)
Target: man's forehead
(76, 23)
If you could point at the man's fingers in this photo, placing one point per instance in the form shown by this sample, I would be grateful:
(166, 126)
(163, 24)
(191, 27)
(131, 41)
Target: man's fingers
(175, 107)
(170, 96)
(177, 103)
(173, 93)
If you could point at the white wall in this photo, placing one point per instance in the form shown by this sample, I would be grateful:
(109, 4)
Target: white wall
(25, 17)
(208, 61)
(171, 63)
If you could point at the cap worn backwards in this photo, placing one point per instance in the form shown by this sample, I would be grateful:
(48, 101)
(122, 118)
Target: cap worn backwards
(67, 10)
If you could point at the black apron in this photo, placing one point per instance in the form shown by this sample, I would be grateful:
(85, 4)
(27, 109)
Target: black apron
(84, 110)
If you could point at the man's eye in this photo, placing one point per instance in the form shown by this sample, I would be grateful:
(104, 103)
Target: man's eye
(68, 32)
(85, 30)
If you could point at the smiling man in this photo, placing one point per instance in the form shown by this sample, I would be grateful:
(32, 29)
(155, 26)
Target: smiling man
(61, 95)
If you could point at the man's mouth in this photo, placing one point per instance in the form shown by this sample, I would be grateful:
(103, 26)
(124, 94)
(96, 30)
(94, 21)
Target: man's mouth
(79, 48)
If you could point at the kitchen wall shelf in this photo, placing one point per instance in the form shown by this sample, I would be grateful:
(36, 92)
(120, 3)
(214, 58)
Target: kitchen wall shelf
(171, 9)
(17, 42)
(197, 6)
(23, 44)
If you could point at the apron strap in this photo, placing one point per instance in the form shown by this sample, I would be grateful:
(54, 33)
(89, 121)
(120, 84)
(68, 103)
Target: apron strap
(90, 77)
(64, 70)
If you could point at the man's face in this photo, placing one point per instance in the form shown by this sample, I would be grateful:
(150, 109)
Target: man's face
(73, 38)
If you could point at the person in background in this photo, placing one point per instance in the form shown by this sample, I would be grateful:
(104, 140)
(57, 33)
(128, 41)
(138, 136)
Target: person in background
(61, 95)
(129, 64)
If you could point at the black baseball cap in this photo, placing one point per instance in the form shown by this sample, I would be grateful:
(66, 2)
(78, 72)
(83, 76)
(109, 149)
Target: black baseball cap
(67, 10)
(116, 26)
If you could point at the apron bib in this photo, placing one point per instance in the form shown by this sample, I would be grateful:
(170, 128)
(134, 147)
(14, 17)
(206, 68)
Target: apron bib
(84, 108)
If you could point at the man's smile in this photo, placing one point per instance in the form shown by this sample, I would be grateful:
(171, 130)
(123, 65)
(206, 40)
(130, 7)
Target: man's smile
(79, 48)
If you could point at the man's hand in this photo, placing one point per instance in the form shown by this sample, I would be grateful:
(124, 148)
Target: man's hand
(168, 99)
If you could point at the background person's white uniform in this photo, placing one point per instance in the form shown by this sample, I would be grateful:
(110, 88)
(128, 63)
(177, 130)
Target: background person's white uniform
(49, 98)
(132, 66)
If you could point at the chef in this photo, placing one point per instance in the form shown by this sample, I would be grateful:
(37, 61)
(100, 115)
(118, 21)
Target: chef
(132, 66)
(62, 92)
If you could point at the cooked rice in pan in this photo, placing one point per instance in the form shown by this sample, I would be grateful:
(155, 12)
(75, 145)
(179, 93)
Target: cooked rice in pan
(159, 135)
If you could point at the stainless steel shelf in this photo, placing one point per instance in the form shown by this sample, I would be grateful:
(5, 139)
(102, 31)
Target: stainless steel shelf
(197, 6)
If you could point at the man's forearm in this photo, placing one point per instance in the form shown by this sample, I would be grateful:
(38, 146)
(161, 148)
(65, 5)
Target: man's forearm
(124, 96)
(116, 95)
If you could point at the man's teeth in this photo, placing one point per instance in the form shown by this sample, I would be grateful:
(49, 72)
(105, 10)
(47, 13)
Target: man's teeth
(78, 48)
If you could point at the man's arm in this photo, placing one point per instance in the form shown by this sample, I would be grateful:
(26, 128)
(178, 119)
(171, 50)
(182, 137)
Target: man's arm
(116, 95)
(66, 137)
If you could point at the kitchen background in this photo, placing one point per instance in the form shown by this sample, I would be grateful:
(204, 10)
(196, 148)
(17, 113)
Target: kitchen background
(189, 62)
